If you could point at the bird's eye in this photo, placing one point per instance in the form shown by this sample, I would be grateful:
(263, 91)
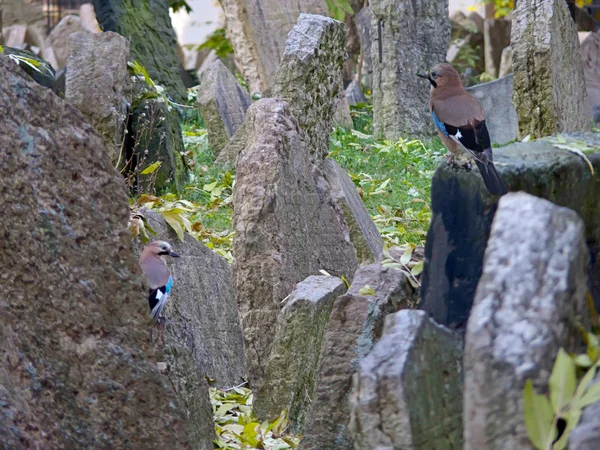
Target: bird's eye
(164, 247)
(434, 74)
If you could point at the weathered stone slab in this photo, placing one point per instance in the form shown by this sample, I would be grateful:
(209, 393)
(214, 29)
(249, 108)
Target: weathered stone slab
(203, 305)
(463, 212)
(495, 98)
(363, 232)
(362, 20)
(586, 435)
(496, 37)
(147, 25)
(354, 327)
(286, 223)
(59, 37)
(292, 365)
(549, 89)
(258, 32)
(78, 370)
(97, 84)
(590, 60)
(408, 37)
(222, 103)
(532, 288)
(310, 77)
(407, 393)
(354, 93)
(505, 62)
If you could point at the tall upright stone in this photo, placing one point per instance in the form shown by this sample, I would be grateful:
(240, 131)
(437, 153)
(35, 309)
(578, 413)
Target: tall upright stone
(96, 83)
(532, 289)
(362, 19)
(287, 225)
(147, 25)
(258, 30)
(222, 103)
(549, 89)
(408, 37)
(310, 77)
(77, 369)
(496, 37)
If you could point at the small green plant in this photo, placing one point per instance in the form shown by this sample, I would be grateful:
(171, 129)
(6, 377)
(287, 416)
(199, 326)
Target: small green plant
(176, 5)
(217, 41)
(338, 9)
(34, 64)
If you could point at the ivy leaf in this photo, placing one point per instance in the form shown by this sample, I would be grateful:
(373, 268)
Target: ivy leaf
(562, 381)
(417, 269)
(407, 255)
(151, 168)
(538, 417)
(591, 395)
(175, 224)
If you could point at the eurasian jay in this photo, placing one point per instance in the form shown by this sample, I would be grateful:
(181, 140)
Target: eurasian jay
(460, 123)
(159, 277)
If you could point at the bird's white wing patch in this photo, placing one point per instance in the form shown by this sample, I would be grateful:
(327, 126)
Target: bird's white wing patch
(458, 134)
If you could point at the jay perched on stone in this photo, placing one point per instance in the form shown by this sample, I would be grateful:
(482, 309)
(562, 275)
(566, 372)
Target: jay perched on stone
(460, 123)
(158, 274)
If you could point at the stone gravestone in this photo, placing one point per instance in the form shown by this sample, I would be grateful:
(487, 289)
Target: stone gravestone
(549, 89)
(496, 37)
(531, 291)
(292, 365)
(407, 393)
(222, 103)
(310, 77)
(590, 59)
(363, 27)
(77, 370)
(96, 83)
(258, 30)
(287, 226)
(354, 327)
(59, 37)
(495, 98)
(147, 25)
(408, 37)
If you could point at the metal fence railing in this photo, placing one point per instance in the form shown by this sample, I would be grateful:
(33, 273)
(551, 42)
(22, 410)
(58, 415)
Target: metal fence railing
(57, 9)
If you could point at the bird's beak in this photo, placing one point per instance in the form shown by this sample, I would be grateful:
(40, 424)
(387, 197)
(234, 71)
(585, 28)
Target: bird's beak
(423, 75)
(174, 255)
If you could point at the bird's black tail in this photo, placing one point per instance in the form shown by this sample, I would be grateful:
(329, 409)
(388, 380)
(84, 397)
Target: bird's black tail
(491, 178)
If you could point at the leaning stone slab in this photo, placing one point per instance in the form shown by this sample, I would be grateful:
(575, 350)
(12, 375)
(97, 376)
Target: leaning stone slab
(549, 89)
(533, 286)
(400, 30)
(586, 435)
(407, 393)
(354, 93)
(463, 212)
(495, 98)
(59, 37)
(97, 84)
(286, 223)
(258, 31)
(363, 232)
(77, 368)
(310, 76)
(147, 25)
(354, 327)
(203, 306)
(222, 103)
(290, 374)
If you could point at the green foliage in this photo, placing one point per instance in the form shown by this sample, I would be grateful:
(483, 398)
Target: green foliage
(176, 5)
(20, 59)
(339, 8)
(218, 42)
(501, 7)
(561, 409)
(237, 426)
(576, 146)
(411, 267)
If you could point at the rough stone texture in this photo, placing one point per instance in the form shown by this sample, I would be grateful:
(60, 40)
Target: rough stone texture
(97, 84)
(586, 435)
(505, 62)
(258, 31)
(292, 365)
(43, 74)
(407, 393)
(342, 116)
(354, 93)
(549, 89)
(310, 76)
(408, 37)
(495, 98)
(354, 327)
(362, 19)
(287, 226)
(20, 12)
(147, 25)
(363, 232)
(77, 370)
(463, 212)
(496, 37)
(590, 60)
(203, 305)
(222, 103)
(59, 37)
(531, 290)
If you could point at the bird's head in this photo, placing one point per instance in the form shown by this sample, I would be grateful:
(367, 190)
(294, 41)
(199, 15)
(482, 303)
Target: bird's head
(160, 248)
(442, 75)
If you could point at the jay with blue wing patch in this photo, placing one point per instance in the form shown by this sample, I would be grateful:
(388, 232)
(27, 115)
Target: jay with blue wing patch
(460, 123)
(158, 274)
